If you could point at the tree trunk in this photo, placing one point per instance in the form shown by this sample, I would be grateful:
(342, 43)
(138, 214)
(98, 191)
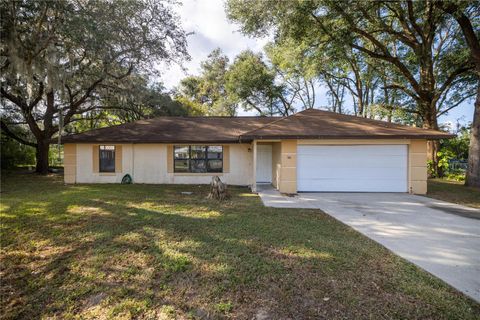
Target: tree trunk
(432, 148)
(218, 189)
(42, 157)
(360, 104)
(430, 122)
(472, 178)
(473, 173)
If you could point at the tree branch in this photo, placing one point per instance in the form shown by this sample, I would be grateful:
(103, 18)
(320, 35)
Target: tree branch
(37, 132)
(74, 106)
(37, 98)
(15, 99)
(386, 56)
(404, 89)
(254, 106)
(465, 24)
(456, 104)
(411, 17)
(12, 135)
(452, 77)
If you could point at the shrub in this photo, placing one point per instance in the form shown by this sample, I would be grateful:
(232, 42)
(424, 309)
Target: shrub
(15, 154)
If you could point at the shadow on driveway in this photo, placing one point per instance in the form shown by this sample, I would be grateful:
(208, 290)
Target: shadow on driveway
(440, 237)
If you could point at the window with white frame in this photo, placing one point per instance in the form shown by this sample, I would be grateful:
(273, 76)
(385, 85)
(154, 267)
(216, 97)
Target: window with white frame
(107, 158)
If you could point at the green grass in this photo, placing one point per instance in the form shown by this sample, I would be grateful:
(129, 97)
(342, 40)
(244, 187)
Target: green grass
(148, 252)
(454, 191)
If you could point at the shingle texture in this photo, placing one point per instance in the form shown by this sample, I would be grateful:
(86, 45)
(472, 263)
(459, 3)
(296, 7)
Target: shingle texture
(318, 124)
(308, 124)
(174, 129)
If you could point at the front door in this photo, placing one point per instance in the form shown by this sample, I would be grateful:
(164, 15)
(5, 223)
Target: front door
(264, 163)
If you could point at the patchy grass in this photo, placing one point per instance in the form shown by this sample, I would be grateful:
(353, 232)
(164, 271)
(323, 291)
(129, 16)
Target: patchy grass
(148, 252)
(453, 191)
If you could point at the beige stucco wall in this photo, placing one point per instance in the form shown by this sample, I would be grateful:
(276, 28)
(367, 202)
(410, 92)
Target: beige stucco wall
(417, 167)
(85, 164)
(70, 162)
(147, 163)
(276, 163)
(288, 163)
(150, 163)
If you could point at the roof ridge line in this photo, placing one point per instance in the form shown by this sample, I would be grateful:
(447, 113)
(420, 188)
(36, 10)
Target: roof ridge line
(210, 117)
(385, 124)
(270, 123)
(283, 118)
(382, 122)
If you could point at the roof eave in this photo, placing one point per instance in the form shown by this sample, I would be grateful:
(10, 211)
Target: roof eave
(338, 137)
(64, 141)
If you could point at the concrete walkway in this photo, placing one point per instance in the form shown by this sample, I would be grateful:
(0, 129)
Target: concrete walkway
(440, 237)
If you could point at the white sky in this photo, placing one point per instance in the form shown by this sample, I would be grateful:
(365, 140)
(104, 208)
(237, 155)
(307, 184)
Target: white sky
(208, 21)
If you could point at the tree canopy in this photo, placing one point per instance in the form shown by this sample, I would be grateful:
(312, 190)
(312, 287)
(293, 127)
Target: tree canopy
(207, 92)
(60, 58)
(387, 55)
(414, 41)
(253, 82)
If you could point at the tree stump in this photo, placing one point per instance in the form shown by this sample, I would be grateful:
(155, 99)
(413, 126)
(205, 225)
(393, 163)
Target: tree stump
(218, 189)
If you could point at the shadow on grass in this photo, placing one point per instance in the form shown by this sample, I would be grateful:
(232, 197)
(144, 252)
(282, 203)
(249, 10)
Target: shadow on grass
(148, 251)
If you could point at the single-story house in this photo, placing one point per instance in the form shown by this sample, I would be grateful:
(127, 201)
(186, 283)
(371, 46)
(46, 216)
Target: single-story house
(309, 151)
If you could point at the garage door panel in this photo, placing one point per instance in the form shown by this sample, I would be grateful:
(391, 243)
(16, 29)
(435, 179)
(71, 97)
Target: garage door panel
(352, 161)
(349, 174)
(329, 185)
(347, 150)
(362, 168)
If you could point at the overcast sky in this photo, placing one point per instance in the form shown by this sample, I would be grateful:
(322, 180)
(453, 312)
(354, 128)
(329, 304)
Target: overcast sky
(207, 19)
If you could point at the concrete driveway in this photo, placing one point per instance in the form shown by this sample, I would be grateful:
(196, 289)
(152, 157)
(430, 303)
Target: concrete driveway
(440, 237)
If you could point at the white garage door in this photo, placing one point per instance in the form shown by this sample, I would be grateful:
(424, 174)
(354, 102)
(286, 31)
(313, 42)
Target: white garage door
(359, 168)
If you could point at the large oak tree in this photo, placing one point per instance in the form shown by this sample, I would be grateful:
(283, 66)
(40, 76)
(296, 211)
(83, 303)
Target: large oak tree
(58, 58)
(471, 31)
(417, 41)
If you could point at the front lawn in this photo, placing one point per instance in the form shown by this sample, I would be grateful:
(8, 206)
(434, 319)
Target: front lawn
(453, 191)
(148, 252)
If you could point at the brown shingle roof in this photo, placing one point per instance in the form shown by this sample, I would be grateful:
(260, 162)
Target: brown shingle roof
(318, 124)
(174, 129)
(308, 124)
